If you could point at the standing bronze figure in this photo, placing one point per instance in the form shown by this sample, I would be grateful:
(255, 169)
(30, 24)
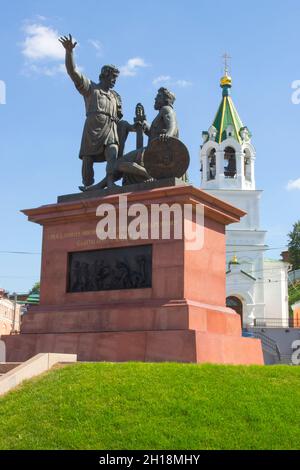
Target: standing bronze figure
(164, 128)
(103, 111)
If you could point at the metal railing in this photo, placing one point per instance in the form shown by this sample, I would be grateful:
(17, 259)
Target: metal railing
(268, 344)
(276, 323)
(287, 359)
(294, 276)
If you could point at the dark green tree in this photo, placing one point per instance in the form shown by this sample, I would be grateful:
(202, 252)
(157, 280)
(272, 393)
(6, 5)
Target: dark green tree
(294, 245)
(35, 289)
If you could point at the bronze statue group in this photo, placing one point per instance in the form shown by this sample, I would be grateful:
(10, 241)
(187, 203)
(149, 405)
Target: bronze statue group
(105, 132)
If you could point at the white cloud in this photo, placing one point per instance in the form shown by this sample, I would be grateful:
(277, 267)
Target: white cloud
(41, 17)
(97, 45)
(41, 49)
(168, 81)
(183, 83)
(48, 70)
(2, 92)
(131, 67)
(41, 42)
(161, 79)
(293, 184)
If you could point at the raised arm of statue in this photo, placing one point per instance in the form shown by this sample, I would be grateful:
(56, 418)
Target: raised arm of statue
(81, 82)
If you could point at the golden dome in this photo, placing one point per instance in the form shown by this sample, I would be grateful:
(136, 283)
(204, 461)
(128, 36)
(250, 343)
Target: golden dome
(226, 80)
(234, 260)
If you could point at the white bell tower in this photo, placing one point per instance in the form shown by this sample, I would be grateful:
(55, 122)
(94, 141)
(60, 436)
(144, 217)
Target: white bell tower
(227, 159)
(227, 155)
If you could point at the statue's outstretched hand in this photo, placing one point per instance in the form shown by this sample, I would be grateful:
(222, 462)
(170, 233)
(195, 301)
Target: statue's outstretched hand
(145, 126)
(139, 125)
(67, 42)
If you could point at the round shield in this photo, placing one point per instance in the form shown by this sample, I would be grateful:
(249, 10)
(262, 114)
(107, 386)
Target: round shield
(166, 159)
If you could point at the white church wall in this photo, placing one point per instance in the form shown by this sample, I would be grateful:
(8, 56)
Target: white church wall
(246, 200)
(248, 247)
(247, 242)
(276, 293)
(241, 286)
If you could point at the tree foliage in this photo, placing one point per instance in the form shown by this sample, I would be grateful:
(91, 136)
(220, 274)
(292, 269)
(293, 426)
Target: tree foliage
(294, 245)
(35, 288)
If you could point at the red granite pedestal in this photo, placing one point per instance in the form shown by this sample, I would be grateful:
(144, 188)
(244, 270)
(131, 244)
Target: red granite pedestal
(181, 317)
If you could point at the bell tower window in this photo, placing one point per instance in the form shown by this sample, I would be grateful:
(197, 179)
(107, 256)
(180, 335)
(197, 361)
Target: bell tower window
(229, 163)
(211, 165)
(229, 131)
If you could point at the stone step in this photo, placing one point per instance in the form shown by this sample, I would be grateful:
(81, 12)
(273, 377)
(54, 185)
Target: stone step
(33, 367)
(7, 366)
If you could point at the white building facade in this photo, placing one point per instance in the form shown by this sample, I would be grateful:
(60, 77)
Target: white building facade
(9, 315)
(256, 288)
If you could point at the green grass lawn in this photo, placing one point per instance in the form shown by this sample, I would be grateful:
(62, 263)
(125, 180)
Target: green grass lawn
(154, 406)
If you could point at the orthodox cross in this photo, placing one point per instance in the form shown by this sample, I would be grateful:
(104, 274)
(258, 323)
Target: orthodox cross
(226, 59)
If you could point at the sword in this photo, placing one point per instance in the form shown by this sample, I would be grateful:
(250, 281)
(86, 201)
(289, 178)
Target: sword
(140, 117)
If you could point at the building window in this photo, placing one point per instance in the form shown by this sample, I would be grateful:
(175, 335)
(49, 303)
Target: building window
(211, 165)
(229, 163)
(229, 131)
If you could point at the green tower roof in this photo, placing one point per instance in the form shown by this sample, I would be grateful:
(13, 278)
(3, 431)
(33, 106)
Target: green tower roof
(227, 114)
(33, 298)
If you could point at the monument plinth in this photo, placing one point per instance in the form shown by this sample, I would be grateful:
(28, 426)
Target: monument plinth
(123, 299)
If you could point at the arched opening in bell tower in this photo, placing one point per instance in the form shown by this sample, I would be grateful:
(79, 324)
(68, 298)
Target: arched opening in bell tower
(229, 162)
(211, 165)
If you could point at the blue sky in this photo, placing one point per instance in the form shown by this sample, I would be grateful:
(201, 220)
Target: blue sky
(174, 42)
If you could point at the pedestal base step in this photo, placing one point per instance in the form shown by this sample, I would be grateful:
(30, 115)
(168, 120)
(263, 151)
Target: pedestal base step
(145, 346)
(136, 316)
